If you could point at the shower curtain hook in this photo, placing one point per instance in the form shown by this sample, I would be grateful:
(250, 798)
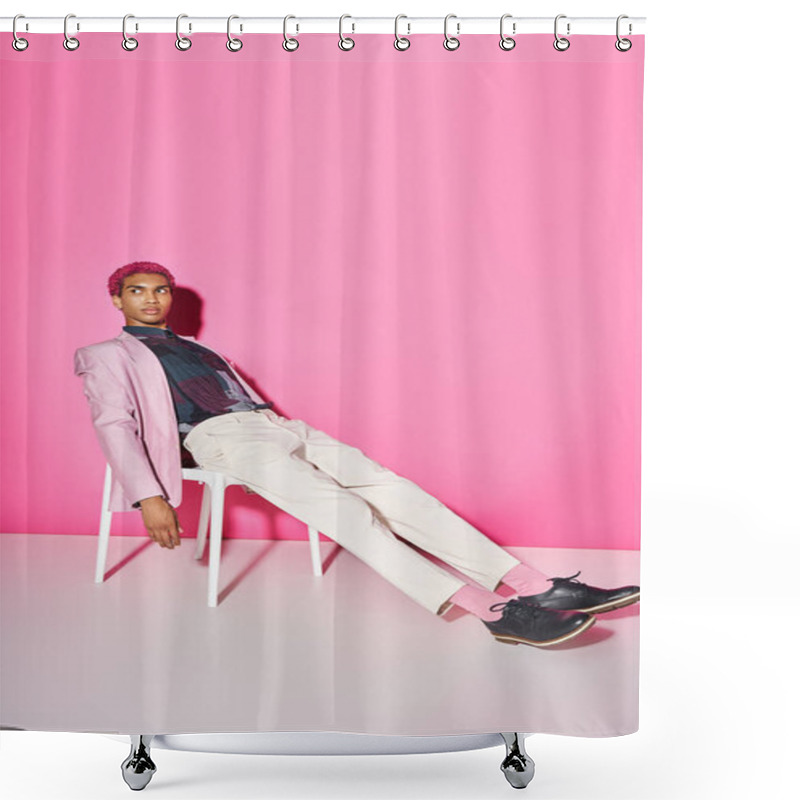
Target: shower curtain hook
(451, 42)
(561, 44)
(70, 42)
(345, 42)
(128, 42)
(290, 44)
(17, 42)
(233, 44)
(400, 42)
(182, 42)
(507, 42)
(623, 45)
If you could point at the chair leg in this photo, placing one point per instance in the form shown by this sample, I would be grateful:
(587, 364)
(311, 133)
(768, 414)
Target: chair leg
(316, 560)
(105, 530)
(102, 545)
(215, 545)
(202, 526)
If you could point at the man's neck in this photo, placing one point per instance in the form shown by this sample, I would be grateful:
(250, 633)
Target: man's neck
(157, 329)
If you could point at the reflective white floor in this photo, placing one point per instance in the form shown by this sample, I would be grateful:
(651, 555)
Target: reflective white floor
(287, 651)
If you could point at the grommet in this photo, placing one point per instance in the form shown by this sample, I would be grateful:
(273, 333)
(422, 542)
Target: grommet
(17, 42)
(400, 42)
(128, 42)
(290, 44)
(345, 42)
(561, 43)
(507, 42)
(70, 42)
(182, 42)
(233, 44)
(451, 42)
(623, 45)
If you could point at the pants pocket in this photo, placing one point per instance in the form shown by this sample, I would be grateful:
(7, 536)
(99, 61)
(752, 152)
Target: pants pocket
(203, 447)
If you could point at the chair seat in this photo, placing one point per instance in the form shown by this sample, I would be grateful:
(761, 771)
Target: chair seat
(208, 476)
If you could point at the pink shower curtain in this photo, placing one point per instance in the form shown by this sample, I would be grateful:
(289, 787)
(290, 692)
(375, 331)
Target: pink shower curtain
(434, 256)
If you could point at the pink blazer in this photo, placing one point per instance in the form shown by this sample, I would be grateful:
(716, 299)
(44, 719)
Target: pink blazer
(134, 418)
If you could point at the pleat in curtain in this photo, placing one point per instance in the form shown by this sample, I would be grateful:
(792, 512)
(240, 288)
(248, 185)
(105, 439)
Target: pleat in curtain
(428, 265)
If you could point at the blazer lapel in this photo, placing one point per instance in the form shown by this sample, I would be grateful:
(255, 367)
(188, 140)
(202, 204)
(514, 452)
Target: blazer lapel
(139, 353)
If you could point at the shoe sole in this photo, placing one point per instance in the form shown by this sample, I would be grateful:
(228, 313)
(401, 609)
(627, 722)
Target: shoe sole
(611, 606)
(507, 639)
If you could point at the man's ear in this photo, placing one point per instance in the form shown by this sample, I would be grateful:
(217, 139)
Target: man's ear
(117, 301)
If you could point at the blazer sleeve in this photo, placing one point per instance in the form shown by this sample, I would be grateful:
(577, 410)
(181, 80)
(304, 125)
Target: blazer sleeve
(112, 410)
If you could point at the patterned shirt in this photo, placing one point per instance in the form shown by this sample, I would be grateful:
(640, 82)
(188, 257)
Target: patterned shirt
(202, 384)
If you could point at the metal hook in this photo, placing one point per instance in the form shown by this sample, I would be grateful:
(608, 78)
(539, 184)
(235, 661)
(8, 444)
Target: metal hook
(70, 42)
(400, 42)
(128, 42)
(623, 45)
(290, 44)
(345, 42)
(233, 44)
(17, 42)
(451, 42)
(182, 42)
(561, 44)
(507, 42)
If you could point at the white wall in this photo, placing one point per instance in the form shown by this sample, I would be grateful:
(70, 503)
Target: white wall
(720, 547)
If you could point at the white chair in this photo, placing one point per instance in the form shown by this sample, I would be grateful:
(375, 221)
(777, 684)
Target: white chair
(213, 506)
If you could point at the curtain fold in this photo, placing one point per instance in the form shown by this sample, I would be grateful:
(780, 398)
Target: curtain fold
(432, 256)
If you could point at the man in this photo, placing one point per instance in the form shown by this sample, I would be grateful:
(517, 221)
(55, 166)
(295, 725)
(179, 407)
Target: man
(150, 391)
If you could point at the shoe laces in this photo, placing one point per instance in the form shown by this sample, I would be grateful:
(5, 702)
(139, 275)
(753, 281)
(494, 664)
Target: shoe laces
(516, 608)
(529, 601)
(571, 580)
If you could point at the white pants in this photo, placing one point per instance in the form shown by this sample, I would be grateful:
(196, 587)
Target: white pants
(360, 504)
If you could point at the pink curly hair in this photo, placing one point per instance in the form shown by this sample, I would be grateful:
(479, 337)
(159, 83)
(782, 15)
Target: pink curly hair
(117, 278)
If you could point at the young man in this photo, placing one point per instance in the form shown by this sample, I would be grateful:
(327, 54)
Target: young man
(150, 390)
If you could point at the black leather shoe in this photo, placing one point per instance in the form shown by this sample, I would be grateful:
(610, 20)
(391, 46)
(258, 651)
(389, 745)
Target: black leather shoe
(567, 594)
(528, 623)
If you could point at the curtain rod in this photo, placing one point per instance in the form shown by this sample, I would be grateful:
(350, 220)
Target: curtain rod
(407, 25)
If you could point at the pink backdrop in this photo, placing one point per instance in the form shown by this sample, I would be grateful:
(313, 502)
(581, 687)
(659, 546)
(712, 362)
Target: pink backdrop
(439, 265)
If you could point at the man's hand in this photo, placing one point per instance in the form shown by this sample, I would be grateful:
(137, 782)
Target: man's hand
(161, 521)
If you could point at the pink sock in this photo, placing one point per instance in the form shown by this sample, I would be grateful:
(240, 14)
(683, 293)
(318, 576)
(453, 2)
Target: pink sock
(477, 601)
(526, 580)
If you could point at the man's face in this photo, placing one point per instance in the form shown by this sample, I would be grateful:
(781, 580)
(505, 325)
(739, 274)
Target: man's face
(145, 299)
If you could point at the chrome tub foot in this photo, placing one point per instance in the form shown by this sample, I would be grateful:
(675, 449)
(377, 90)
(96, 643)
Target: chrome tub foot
(517, 766)
(138, 768)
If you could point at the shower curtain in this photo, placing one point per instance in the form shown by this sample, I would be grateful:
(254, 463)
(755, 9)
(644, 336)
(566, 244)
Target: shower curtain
(431, 256)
